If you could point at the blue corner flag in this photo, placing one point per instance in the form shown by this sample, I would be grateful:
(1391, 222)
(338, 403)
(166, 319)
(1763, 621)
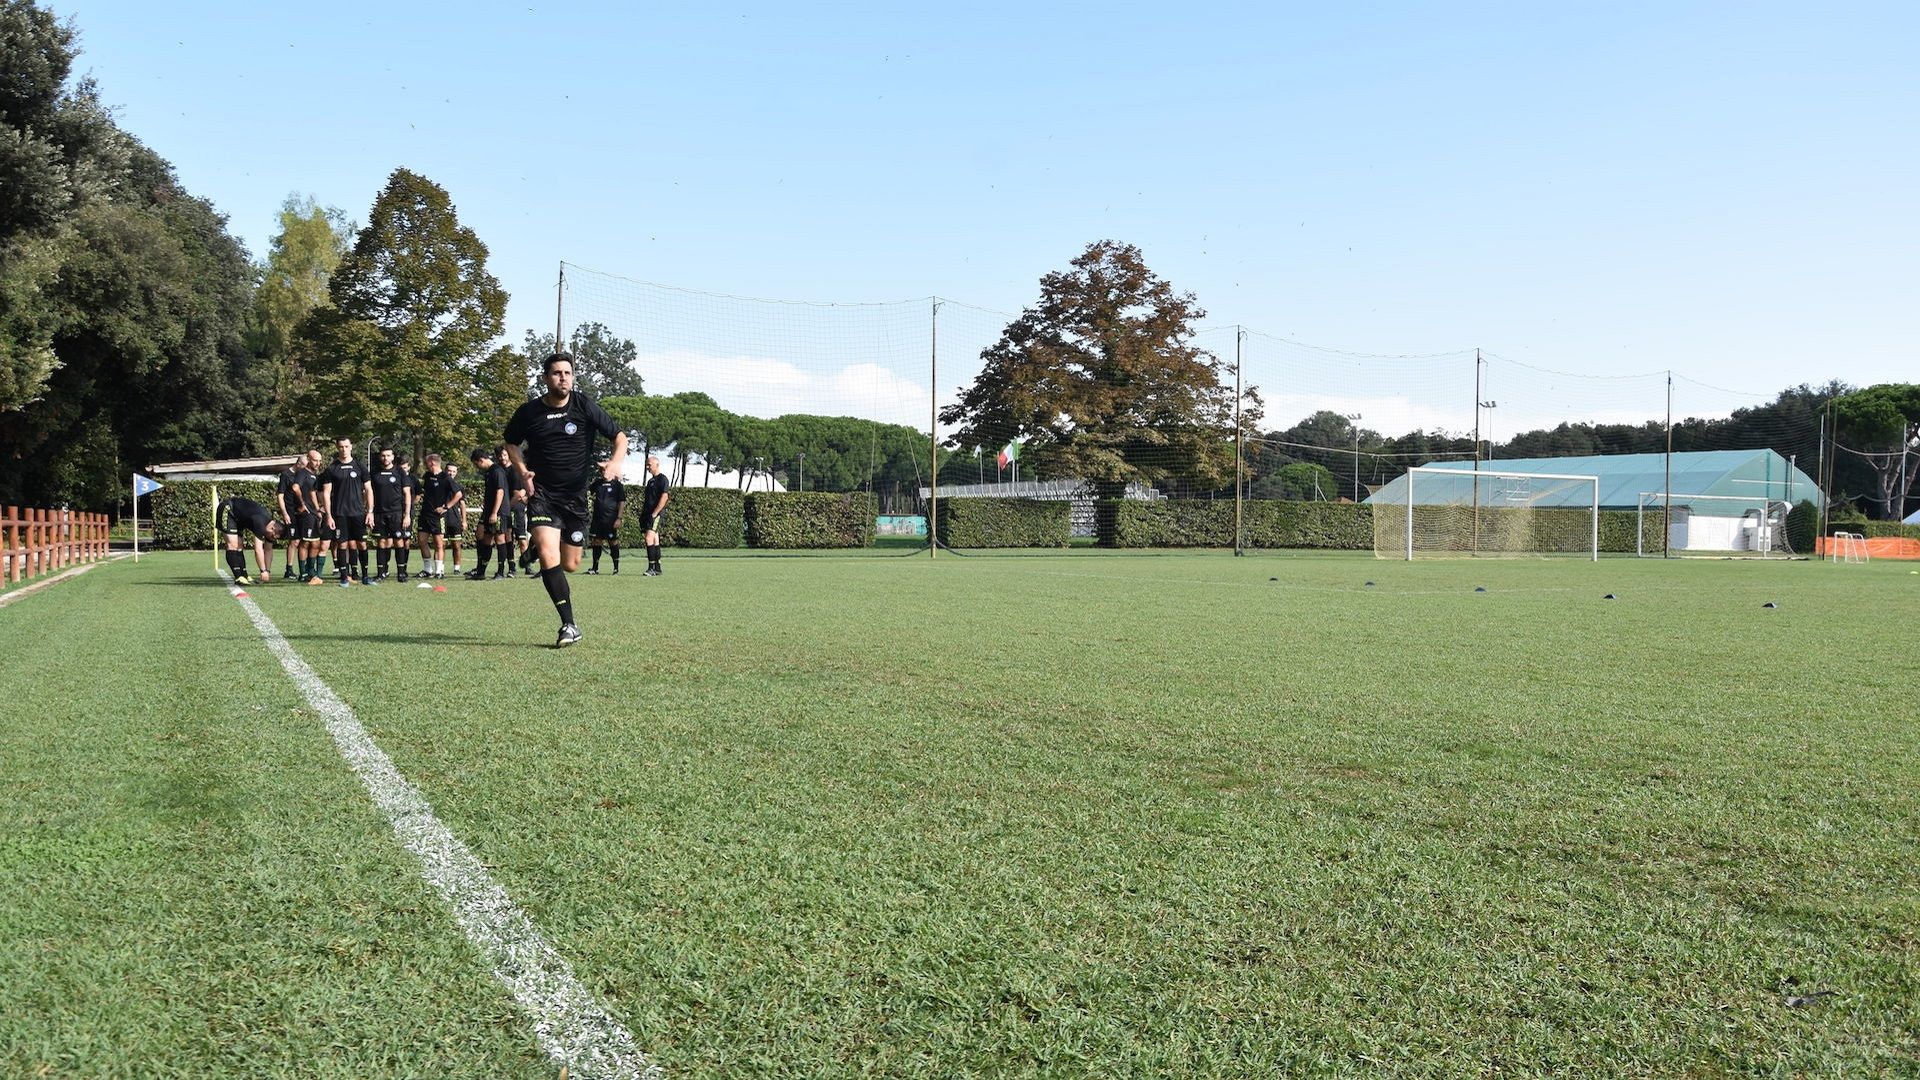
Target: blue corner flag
(142, 485)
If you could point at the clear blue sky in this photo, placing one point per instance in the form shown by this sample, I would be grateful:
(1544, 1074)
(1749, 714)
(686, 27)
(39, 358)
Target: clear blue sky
(1727, 189)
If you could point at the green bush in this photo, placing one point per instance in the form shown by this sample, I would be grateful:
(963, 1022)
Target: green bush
(1274, 523)
(695, 518)
(183, 509)
(1005, 523)
(1803, 525)
(1139, 523)
(809, 519)
(1872, 529)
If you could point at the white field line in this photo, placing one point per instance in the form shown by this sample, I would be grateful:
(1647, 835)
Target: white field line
(573, 1028)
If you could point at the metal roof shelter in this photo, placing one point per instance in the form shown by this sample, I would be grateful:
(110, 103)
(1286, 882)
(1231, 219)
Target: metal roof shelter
(257, 468)
(1751, 474)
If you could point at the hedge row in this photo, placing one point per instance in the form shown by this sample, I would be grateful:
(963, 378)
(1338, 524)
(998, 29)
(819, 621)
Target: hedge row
(1005, 523)
(1266, 523)
(807, 519)
(1889, 528)
(183, 509)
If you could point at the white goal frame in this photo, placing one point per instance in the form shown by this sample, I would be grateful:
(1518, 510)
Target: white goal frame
(1776, 545)
(1848, 549)
(1497, 474)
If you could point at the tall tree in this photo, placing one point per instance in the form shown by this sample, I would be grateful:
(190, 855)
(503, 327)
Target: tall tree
(1101, 380)
(301, 259)
(407, 338)
(1881, 425)
(106, 264)
(604, 365)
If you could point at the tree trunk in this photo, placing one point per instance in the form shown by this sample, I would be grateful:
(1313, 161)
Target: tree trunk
(1107, 495)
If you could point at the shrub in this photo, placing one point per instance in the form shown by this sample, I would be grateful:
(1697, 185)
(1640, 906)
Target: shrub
(808, 519)
(695, 518)
(1274, 523)
(183, 509)
(1172, 522)
(1005, 523)
(1803, 525)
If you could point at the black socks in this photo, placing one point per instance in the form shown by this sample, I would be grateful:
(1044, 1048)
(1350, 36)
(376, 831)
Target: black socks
(400, 556)
(559, 592)
(386, 559)
(653, 556)
(616, 557)
(237, 563)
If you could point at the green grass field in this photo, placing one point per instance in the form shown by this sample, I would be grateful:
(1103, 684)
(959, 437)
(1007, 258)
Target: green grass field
(1074, 815)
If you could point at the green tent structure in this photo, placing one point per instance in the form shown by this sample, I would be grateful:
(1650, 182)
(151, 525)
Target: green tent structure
(1720, 500)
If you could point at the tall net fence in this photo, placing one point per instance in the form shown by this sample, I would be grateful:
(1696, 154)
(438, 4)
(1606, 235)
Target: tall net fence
(885, 399)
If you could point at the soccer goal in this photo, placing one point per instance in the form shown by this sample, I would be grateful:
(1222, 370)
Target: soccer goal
(1438, 512)
(1717, 526)
(1847, 548)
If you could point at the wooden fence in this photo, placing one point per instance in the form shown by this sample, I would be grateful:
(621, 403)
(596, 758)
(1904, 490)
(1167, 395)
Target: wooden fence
(35, 542)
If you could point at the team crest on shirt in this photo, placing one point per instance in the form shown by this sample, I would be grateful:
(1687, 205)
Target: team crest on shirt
(571, 428)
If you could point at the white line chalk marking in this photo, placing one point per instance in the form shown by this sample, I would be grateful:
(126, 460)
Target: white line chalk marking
(573, 1028)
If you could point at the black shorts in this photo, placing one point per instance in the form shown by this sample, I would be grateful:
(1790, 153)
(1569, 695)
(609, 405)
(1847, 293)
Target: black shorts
(519, 519)
(306, 527)
(433, 524)
(390, 524)
(564, 510)
(605, 530)
(653, 522)
(455, 522)
(350, 530)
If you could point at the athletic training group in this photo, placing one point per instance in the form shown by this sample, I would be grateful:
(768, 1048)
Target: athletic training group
(545, 500)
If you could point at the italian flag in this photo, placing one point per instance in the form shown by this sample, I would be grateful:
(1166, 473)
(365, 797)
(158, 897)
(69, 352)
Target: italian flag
(1010, 453)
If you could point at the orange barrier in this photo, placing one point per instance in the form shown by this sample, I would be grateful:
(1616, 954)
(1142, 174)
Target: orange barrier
(1876, 547)
(35, 542)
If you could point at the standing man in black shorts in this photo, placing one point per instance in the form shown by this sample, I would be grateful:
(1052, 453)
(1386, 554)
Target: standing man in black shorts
(653, 503)
(494, 528)
(403, 550)
(456, 521)
(236, 516)
(609, 497)
(314, 525)
(289, 510)
(432, 513)
(558, 429)
(347, 496)
(390, 498)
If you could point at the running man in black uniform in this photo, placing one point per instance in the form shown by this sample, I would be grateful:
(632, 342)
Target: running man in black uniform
(236, 516)
(390, 505)
(609, 497)
(558, 429)
(653, 503)
(289, 505)
(347, 497)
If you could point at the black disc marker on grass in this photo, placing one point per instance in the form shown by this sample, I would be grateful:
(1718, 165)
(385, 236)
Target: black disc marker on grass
(1479, 588)
(1770, 604)
(1609, 596)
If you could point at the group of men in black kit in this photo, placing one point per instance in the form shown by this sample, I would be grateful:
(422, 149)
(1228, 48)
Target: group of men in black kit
(535, 500)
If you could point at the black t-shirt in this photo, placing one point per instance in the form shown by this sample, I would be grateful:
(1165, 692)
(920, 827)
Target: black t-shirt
(559, 441)
(348, 498)
(389, 491)
(302, 500)
(289, 490)
(435, 490)
(656, 493)
(608, 497)
(498, 481)
(247, 514)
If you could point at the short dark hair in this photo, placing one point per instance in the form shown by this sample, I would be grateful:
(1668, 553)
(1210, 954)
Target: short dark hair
(399, 458)
(479, 452)
(555, 358)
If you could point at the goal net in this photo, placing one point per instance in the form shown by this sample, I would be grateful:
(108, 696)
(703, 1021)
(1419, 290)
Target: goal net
(1453, 512)
(1713, 525)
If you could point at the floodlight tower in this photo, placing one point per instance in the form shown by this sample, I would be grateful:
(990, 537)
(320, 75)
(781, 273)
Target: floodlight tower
(1353, 421)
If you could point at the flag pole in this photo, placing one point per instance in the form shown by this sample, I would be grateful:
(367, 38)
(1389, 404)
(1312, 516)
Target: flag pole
(136, 521)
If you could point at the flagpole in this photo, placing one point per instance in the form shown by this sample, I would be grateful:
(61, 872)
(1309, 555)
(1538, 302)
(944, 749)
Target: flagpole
(136, 521)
